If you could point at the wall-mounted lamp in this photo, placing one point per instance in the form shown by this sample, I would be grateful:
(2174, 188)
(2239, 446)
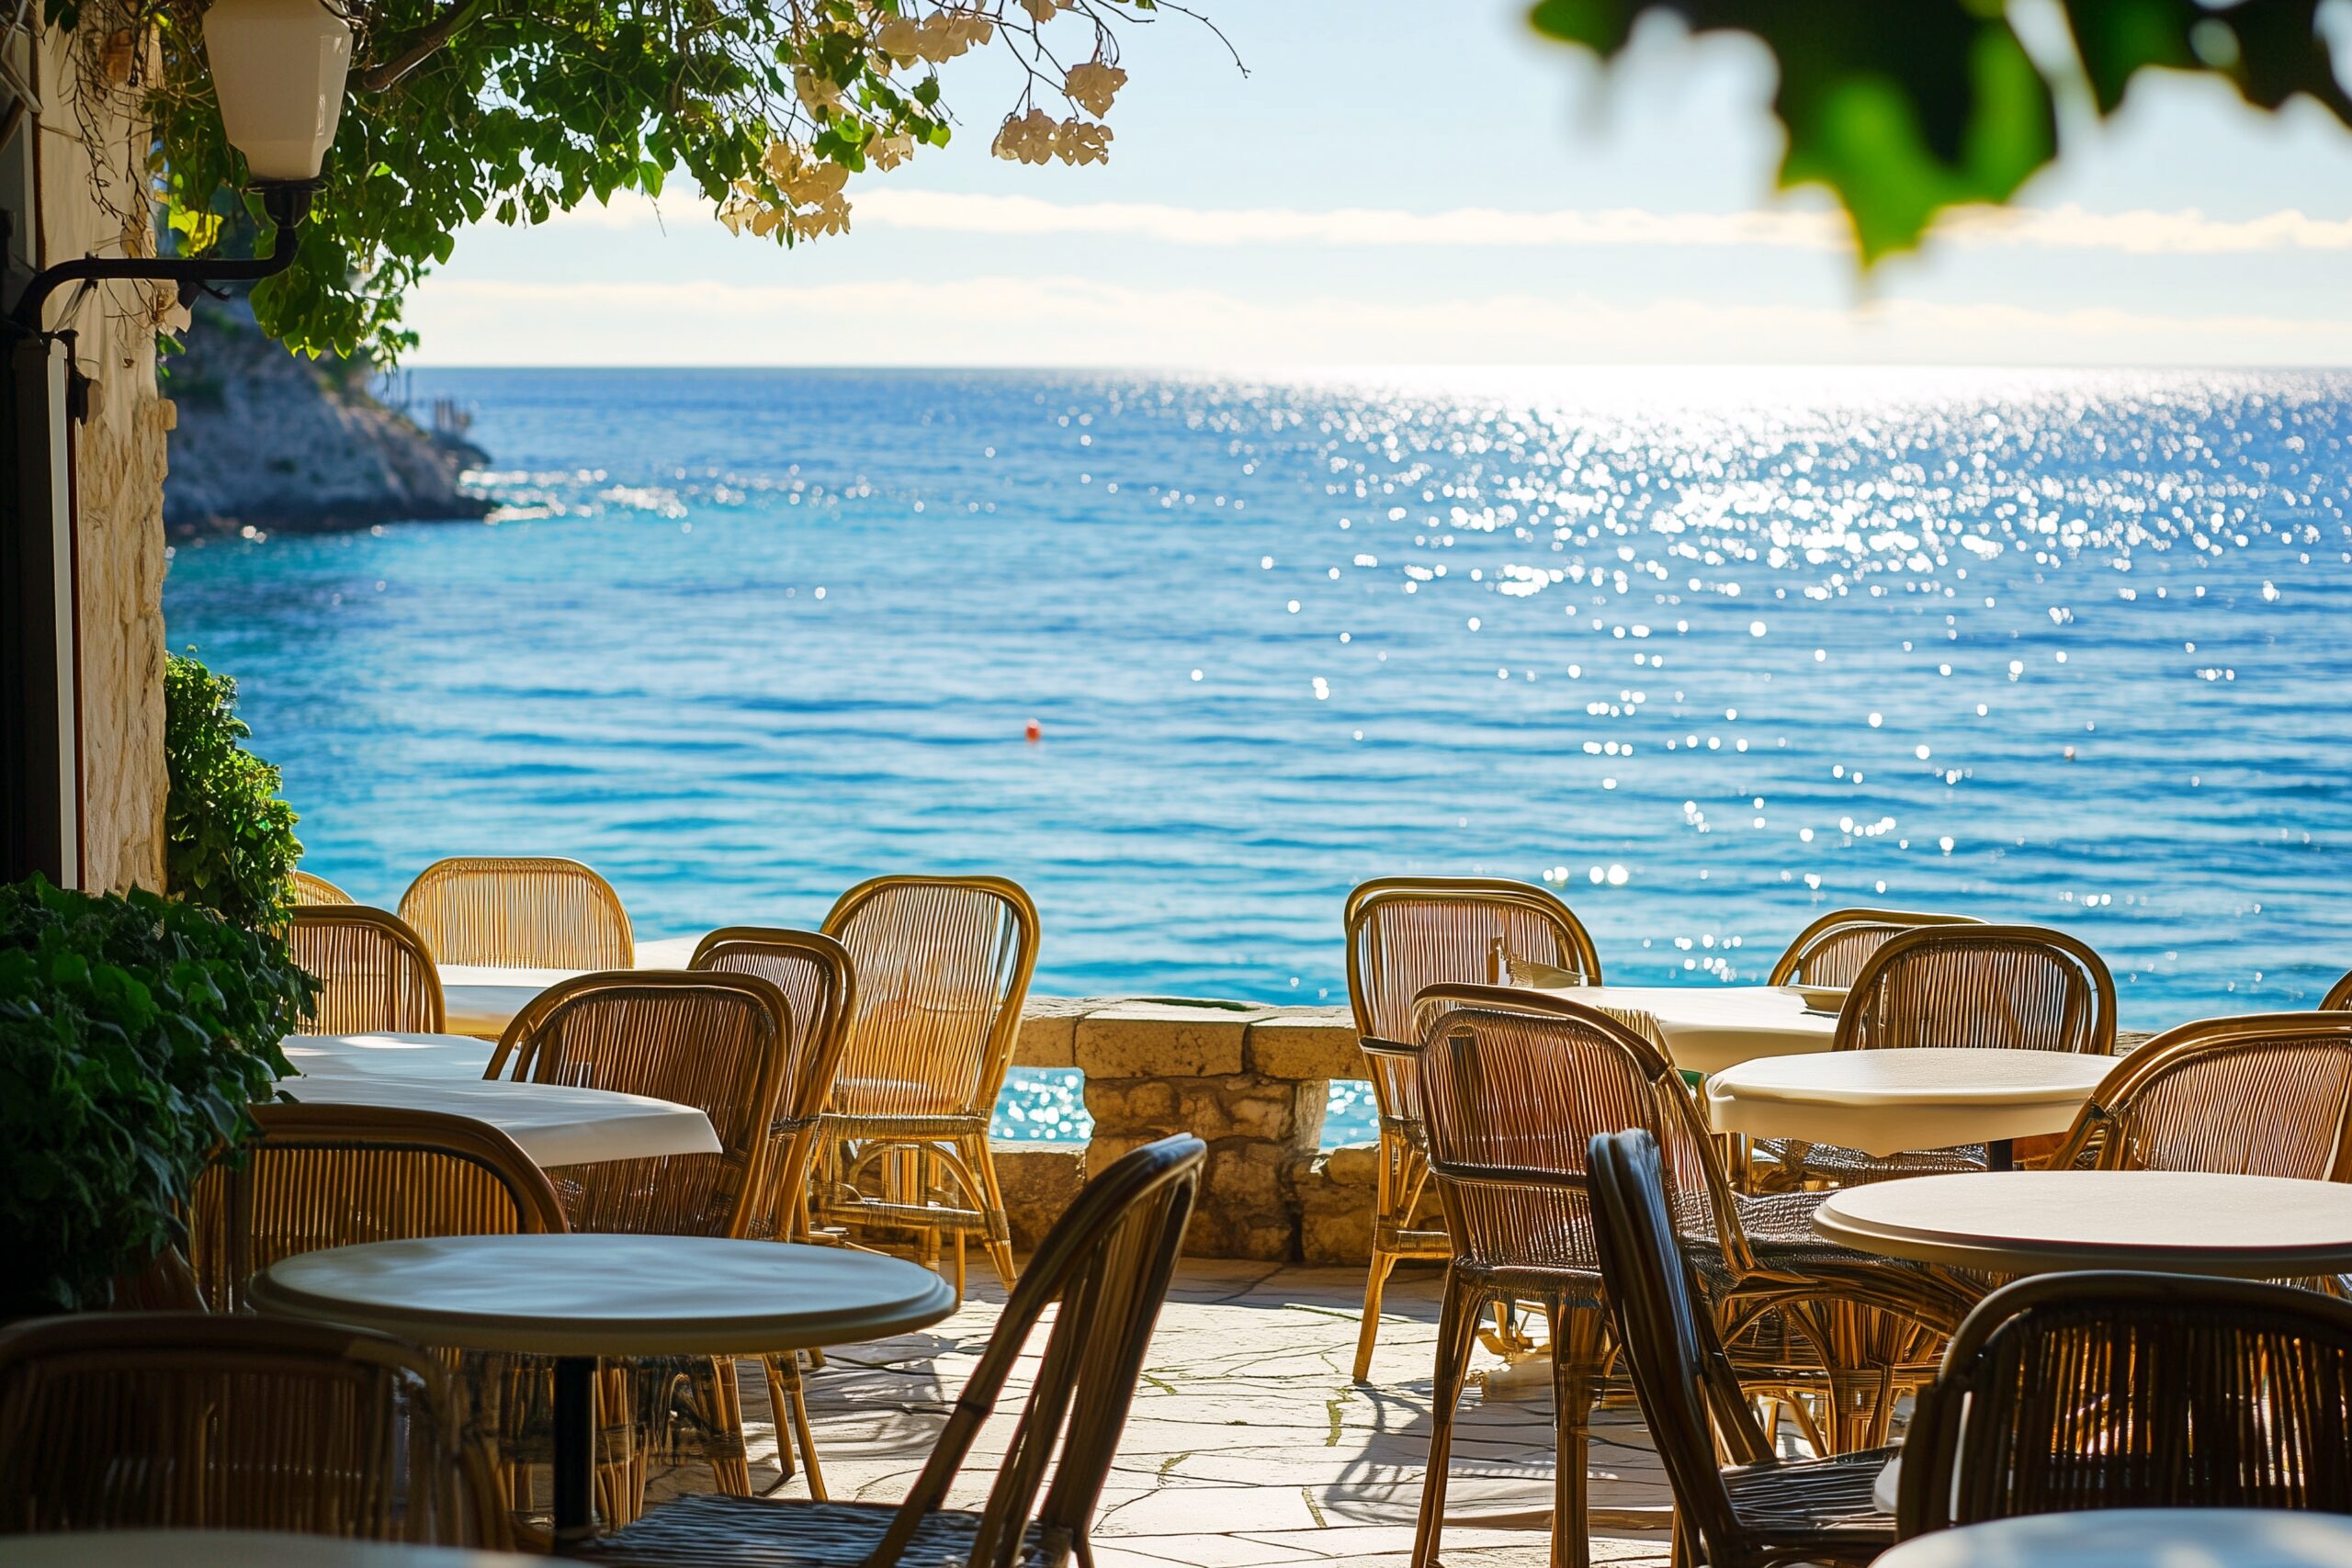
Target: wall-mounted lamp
(277, 69)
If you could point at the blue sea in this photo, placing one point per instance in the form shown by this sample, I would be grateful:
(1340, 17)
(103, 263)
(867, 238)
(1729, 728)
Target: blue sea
(1707, 651)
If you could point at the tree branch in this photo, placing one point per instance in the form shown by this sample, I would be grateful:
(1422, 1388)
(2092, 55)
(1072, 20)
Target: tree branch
(440, 30)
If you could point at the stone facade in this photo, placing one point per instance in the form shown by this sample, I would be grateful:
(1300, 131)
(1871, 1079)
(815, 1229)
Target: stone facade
(92, 157)
(1251, 1082)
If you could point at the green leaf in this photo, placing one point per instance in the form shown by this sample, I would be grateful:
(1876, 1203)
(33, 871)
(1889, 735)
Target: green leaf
(1905, 110)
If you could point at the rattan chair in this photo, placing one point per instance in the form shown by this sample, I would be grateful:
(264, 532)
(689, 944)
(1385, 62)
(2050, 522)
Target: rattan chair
(2019, 987)
(1509, 1100)
(1833, 948)
(1405, 934)
(1763, 1510)
(310, 890)
(321, 1176)
(942, 967)
(2067, 1392)
(374, 973)
(196, 1421)
(2269, 1094)
(717, 1042)
(2339, 997)
(526, 911)
(1107, 1261)
(1514, 1090)
(813, 971)
(1814, 1325)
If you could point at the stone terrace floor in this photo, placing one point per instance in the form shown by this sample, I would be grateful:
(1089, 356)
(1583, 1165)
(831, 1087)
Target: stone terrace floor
(1247, 1444)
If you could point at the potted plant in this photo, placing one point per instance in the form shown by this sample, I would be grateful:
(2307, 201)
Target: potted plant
(136, 1030)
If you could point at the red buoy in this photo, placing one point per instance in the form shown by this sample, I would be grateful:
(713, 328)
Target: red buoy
(1033, 732)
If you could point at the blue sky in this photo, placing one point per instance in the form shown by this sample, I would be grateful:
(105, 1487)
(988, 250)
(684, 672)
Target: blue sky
(1401, 182)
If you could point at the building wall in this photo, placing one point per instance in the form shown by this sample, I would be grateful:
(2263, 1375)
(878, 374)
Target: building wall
(93, 153)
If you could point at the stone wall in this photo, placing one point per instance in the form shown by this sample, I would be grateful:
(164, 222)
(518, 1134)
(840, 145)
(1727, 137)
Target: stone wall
(1252, 1082)
(93, 158)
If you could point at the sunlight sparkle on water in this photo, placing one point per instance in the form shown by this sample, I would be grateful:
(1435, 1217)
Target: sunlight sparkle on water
(1550, 587)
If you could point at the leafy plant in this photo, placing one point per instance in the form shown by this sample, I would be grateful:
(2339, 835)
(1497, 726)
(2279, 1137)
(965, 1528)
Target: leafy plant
(134, 1033)
(230, 844)
(464, 110)
(1904, 109)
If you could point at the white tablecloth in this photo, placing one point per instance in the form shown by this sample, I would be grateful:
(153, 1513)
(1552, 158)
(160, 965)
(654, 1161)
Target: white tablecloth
(1884, 1103)
(555, 1123)
(482, 999)
(1705, 1029)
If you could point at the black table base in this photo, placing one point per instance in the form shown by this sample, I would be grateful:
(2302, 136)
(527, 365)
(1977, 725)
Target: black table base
(575, 1451)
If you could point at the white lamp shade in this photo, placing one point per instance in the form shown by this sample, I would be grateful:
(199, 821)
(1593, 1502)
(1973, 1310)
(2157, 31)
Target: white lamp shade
(277, 68)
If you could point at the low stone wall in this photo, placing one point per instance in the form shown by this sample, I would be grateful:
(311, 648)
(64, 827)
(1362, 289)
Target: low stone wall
(1250, 1081)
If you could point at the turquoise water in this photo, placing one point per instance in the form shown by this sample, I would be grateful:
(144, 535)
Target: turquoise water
(1709, 652)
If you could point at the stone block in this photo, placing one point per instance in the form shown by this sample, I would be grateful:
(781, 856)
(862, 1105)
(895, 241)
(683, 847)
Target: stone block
(1306, 1044)
(1039, 1180)
(1048, 1035)
(1352, 1165)
(1335, 1236)
(1146, 1107)
(1245, 1177)
(1237, 1106)
(1334, 1192)
(1215, 1233)
(1266, 1110)
(1108, 1148)
(1135, 1040)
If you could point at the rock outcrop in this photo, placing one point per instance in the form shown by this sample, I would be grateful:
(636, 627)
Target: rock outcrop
(276, 441)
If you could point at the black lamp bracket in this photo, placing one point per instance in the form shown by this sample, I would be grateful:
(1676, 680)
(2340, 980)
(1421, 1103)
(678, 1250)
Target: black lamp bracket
(288, 202)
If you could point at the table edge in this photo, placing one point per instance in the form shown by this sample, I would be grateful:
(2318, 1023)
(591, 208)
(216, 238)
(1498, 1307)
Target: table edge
(733, 1337)
(2033, 1257)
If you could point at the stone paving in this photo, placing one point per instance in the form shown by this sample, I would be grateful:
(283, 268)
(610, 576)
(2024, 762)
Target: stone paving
(1247, 1444)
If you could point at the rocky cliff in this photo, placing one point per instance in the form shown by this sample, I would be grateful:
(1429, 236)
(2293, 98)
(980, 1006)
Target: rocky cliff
(272, 440)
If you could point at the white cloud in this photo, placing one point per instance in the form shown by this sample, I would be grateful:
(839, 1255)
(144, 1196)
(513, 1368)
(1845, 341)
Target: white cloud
(1472, 226)
(2069, 227)
(1076, 321)
(2144, 232)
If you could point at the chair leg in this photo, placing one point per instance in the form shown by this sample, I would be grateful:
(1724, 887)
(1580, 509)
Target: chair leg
(729, 1473)
(1457, 1326)
(1375, 1280)
(620, 1478)
(975, 1151)
(772, 1369)
(787, 1396)
(1576, 1370)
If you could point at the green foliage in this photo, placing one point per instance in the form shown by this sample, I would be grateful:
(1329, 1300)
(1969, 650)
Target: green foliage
(1904, 108)
(134, 1033)
(466, 110)
(230, 844)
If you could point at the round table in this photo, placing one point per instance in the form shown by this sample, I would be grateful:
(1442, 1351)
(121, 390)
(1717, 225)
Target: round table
(482, 999)
(579, 1297)
(234, 1549)
(2137, 1538)
(2040, 1222)
(1705, 1029)
(556, 1124)
(1884, 1103)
